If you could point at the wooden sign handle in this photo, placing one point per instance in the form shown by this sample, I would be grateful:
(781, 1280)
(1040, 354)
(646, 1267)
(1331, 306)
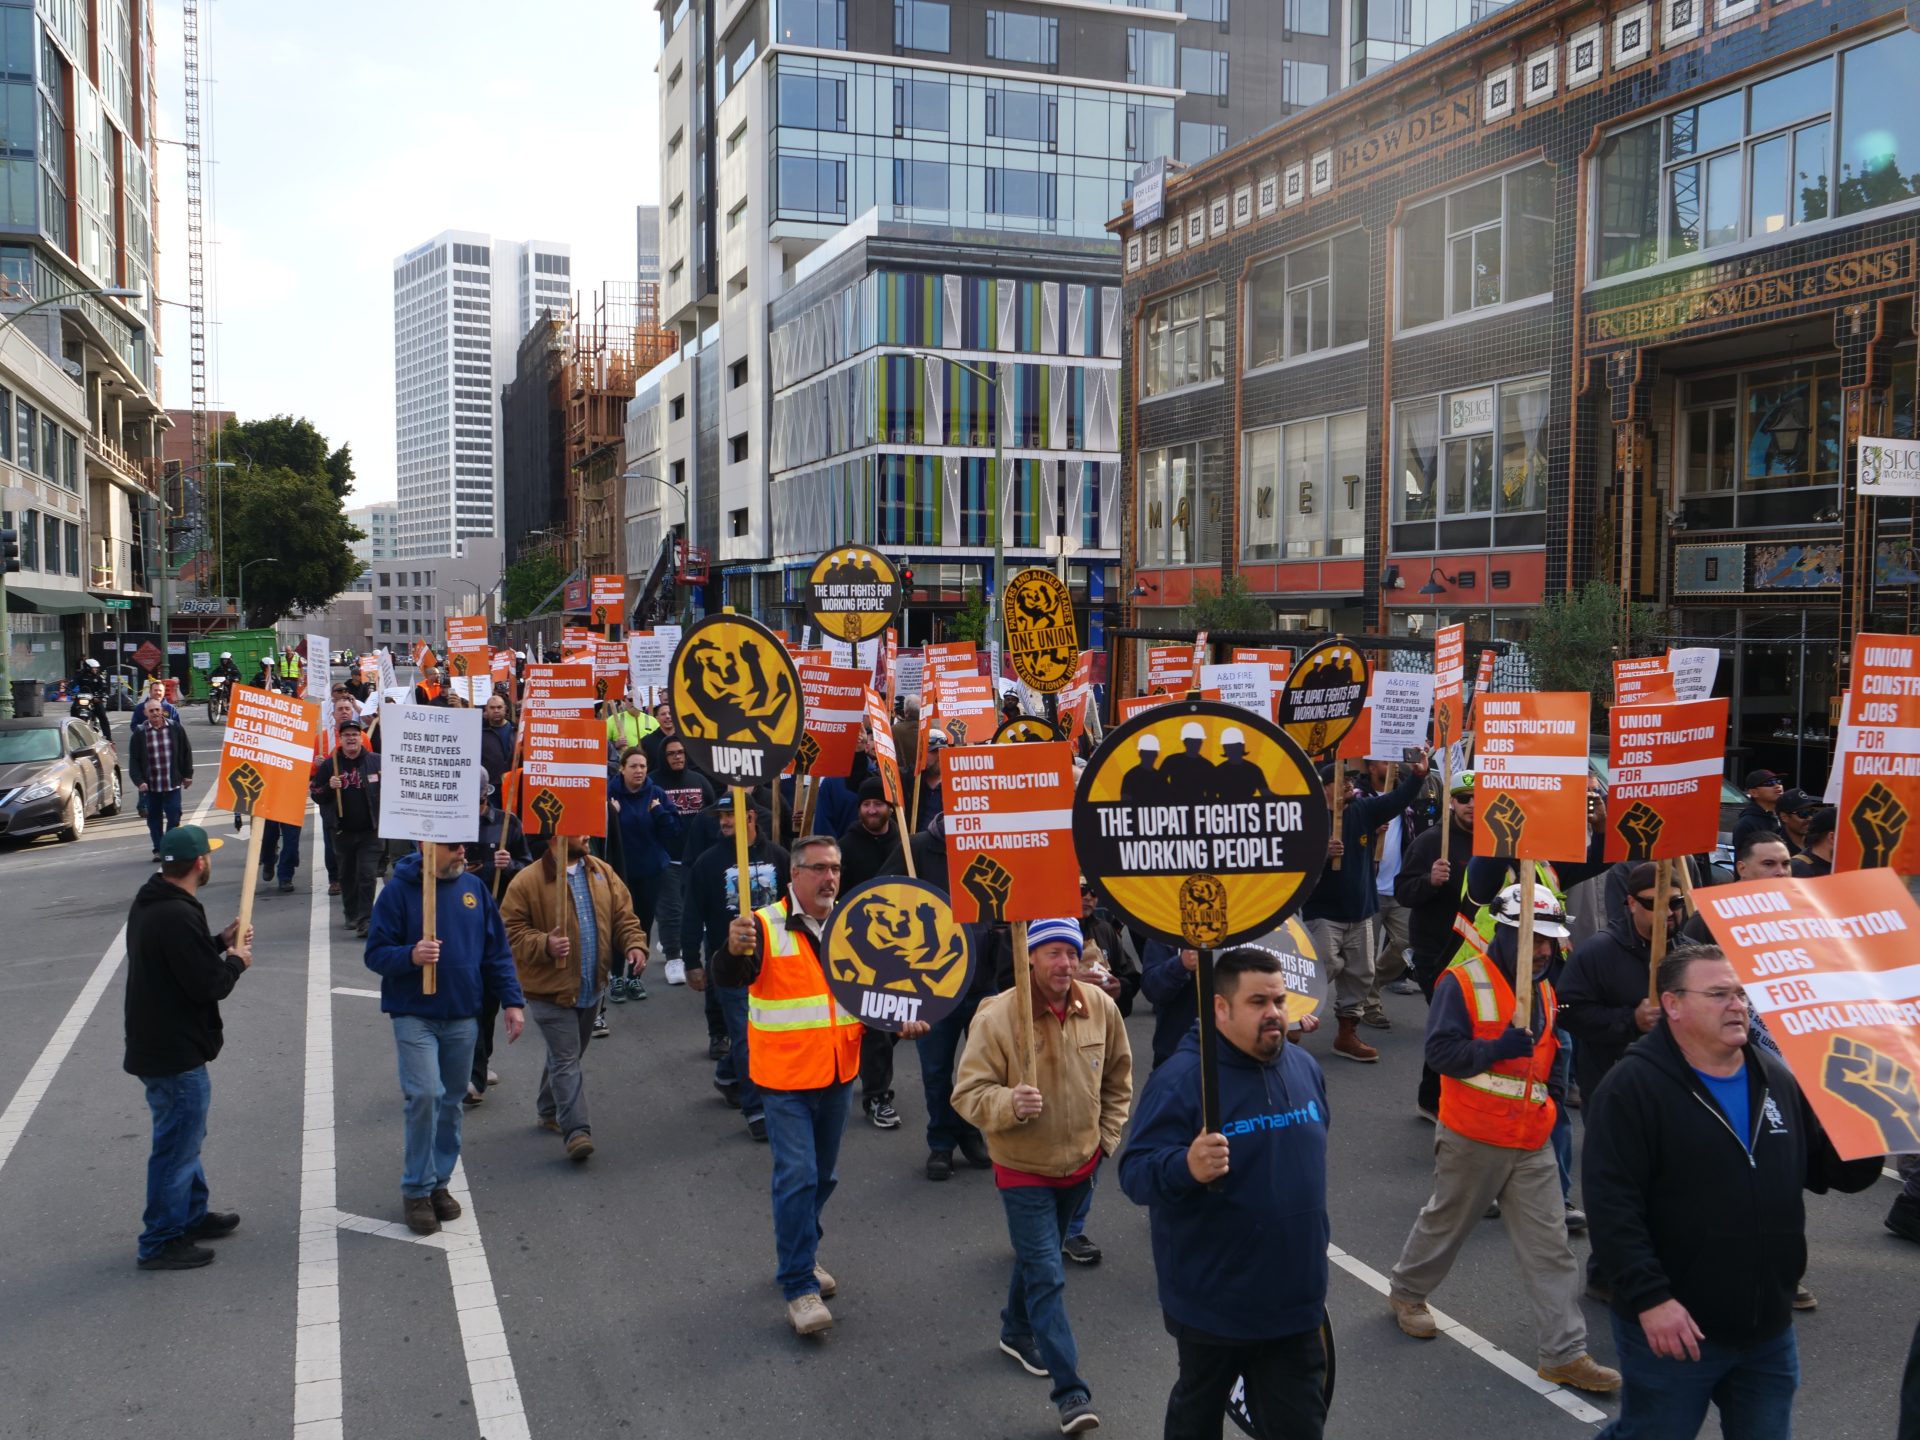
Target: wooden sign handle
(1523, 956)
(1446, 796)
(256, 837)
(744, 888)
(1209, 1044)
(1339, 805)
(1023, 998)
(906, 846)
(1662, 893)
(429, 910)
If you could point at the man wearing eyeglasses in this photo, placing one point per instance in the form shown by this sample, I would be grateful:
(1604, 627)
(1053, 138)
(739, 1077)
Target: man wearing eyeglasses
(803, 1053)
(1699, 1144)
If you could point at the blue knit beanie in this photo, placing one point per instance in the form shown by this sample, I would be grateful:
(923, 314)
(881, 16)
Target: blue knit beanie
(1041, 931)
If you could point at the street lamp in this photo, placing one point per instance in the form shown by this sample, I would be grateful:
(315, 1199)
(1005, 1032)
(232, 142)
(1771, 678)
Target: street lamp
(1433, 590)
(242, 603)
(993, 491)
(105, 292)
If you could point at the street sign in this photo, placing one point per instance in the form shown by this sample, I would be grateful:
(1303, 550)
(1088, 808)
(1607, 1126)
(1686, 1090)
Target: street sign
(117, 604)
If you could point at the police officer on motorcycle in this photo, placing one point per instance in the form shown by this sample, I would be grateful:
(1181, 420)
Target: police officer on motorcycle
(91, 683)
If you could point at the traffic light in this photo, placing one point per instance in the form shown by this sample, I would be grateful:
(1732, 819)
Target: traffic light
(906, 579)
(9, 551)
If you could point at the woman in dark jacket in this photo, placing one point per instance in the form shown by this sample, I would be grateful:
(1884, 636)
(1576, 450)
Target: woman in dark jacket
(643, 836)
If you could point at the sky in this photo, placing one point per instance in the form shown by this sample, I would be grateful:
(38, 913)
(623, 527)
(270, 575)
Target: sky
(338, 134)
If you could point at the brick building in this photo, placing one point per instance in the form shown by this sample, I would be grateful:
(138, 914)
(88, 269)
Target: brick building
(1576, 292)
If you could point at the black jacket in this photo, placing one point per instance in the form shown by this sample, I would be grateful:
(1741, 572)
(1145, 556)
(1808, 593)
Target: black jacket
(358, 808)
(496, 753)
(1349, 894)
(177, 975)
(1679, 1208)
(709, 904)
(182, 754)
(1431, 908)
(1752, 819)
(1604, 982)
(864, 856)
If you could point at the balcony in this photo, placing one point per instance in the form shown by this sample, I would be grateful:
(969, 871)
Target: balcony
(125, 469)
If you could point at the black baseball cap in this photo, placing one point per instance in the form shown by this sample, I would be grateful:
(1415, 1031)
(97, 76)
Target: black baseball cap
(1797, 801)
(1824, 822)
(186, 842)
(1759, 779)
(346, 725)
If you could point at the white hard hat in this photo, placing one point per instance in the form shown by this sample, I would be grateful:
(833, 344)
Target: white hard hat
(226, 654)
(93, 664)
(1232, 736)
(1192, 730)
(1150, 742)
(1549, 915)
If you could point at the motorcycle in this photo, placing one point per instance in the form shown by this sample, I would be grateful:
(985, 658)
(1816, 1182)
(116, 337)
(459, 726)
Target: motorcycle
(216, 699)
(86, 706)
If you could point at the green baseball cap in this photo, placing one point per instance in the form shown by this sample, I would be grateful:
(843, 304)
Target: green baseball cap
(1462, 783)
(187, 842)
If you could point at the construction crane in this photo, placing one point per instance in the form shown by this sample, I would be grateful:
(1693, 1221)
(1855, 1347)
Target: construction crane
(191, 506)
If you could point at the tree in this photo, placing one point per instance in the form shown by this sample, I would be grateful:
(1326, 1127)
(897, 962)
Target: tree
(528, 582)
(297, 520)
(971, 622)
(1230, 606)
(286, 443)
(1574, 638)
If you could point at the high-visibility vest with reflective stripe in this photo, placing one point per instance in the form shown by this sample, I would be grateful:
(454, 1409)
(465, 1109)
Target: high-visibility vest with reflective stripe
(1507, 1105)
(1476, 934)
(798, 1036)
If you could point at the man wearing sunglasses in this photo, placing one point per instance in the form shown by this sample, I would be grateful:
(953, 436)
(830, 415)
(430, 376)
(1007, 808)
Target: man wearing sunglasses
(1699, 1144)
(1603, 995)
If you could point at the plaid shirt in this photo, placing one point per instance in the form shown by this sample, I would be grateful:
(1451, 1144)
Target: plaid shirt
(159, 742)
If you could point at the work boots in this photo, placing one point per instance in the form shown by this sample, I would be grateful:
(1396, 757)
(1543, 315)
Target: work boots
(1349, 1045)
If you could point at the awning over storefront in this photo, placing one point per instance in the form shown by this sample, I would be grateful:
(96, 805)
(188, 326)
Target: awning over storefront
(37, 600)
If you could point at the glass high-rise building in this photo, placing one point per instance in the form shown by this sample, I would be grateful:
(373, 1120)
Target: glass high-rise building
(461, 303)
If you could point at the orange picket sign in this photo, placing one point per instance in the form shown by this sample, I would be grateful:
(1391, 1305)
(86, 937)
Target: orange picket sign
(266, 754)
(1829, 964)
(880, 726)
(952, 656)
(1171, 669)
(1076, 699)
(564, 789)
(1449, 685)
(559, 688)
(609, 601)
(1880, 758)
(609, 670)
(835, 700)
(1009, 823)
(1644, 680)
(1667, 761)
(1530, 776)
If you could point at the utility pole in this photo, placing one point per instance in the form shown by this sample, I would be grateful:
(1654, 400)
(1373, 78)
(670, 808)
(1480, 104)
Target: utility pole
(9, 551)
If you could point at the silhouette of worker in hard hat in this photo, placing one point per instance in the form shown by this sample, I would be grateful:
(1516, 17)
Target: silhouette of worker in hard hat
(1190, 776)
(1144, 784)
(1236, 777)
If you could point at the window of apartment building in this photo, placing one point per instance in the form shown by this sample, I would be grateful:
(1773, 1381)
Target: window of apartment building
(1199, 141)
(70, 445)
(386, 627)
(677, 408)
(737, 373)
(1306, 17)
(1309, 300)
(1817, 141)
(1029, 193)
(1214, 10)
(1305, 488)
(813, 102)
(6, 423)
(678, 472)
(920, 185)
(53, 543)
(1149, 130)
(1471, 468)
(50, 447)
(736, 522)
(1302, 82)
(1186, 339)
(737, 448)
(1023, 115)
(1203, 72)
(70, 533)
(1183, 504)
(1023, 39)
(1150, 57)
(380, 580)
(29, 528)
(812, 187)
(920, 25)
(1762, 447)
(26, 423)
(819, 23)
(1489, 244)
(919, 105)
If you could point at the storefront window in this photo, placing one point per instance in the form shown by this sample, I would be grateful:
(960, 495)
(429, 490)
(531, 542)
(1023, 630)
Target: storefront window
(1183, 498)
(1475, 461)
(1761, 447)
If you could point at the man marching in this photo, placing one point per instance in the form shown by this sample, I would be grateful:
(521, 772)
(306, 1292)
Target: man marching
(1047, 1132)
(803, 1053)
(1494, 1142)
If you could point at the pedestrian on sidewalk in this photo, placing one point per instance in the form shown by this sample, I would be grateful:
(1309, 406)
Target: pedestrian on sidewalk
(347, 782)
(1699, 1146)
(435, 1034)
(162, 763)
(804, 1052)
(177, 975)
(1047, 1132)
(1494, 1142)
(1240, 1226)
(564, 954)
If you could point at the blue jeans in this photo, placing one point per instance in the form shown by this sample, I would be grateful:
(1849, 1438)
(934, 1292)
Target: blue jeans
(1078, 1224)
(436, 1056)
(281, 842)
(938, 1046)
(731, 1068)
(804, 1129)
(1667, 1399)
(176, 1183)
(163, 814)
(1037, 1218)
(1563, 1117)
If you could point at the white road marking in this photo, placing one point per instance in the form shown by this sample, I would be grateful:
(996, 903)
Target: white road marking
(318, 1406)
(26, 1100)
(1478, 1344)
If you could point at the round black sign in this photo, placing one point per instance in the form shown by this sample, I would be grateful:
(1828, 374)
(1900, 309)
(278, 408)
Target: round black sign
(1324, 695)
(1024, 728)
(1201, 823)
(736, 696)
(895, 953)
(853, 593)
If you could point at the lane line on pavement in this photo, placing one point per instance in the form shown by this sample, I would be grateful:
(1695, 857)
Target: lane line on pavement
(26, 1100)
(1477, 1344)
(361, 994)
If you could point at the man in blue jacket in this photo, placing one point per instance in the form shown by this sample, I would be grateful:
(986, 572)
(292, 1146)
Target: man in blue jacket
(1242, 1268)
(436, 1033)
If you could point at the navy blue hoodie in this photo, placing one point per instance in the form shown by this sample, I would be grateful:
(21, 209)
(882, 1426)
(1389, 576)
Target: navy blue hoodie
(1246, 1260)
(475, 958)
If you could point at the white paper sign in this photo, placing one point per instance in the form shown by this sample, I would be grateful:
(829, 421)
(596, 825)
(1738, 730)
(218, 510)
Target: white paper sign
(474, 689)
(841, 654)
(319, 667)
(909, 671)
(389, 680)
(1246, 684)
(1399, 709)
(669, 636)
(1693, 671)
(648, 658)
(430, 764)
(1843, 742)
(1889, 467)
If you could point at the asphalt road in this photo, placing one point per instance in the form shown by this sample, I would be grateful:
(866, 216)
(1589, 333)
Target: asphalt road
(635, 1295)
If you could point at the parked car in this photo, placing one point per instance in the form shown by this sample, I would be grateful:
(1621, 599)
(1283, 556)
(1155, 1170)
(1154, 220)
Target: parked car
(55, 772)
